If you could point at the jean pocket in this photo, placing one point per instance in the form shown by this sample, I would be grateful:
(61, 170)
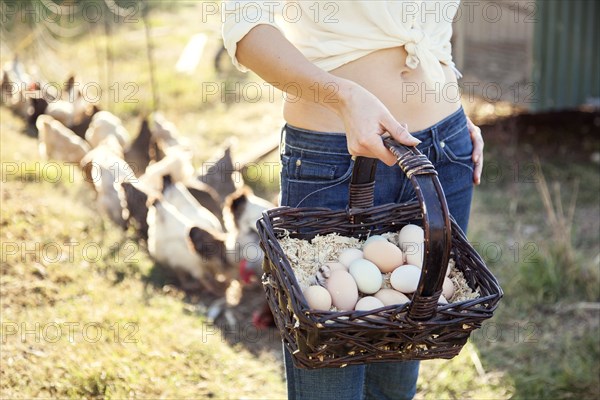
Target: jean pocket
(459, 147)
(316, 170)
(311, 183)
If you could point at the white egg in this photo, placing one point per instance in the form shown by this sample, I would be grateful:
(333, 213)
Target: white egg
(450, 266)
(390, 296)
(384, 254)
(373, 238)
(367, 276)
(349, 255)
(414, 254)
(448, 288)
(411, 234)
(317, 297)
(343, 290)
(406, 278)
(442, 300)
(368, 303)
(334, 266)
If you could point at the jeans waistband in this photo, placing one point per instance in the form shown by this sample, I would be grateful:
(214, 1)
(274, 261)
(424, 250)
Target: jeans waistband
(335, 143)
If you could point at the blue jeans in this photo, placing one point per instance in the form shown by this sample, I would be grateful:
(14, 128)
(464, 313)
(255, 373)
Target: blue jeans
(316, 169)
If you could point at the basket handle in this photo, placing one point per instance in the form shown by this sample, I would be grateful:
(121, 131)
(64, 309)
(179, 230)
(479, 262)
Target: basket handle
(436, 219)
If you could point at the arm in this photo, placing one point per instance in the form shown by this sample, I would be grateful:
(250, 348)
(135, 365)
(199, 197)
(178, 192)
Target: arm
(270, 55)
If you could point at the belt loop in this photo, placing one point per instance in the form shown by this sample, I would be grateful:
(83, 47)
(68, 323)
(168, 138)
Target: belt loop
(436, 144)
(282, 140)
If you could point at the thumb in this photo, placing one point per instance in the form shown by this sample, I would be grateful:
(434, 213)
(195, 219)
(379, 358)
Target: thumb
(399, 132)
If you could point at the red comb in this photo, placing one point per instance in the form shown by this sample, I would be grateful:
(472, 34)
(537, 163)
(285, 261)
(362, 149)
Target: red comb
(245, 273)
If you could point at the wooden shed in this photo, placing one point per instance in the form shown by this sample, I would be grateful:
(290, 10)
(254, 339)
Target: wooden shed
(543, 55)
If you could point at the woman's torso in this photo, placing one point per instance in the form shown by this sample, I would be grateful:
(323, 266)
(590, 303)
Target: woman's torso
(401, 89)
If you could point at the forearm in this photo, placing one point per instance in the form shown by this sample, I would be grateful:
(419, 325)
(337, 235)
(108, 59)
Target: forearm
(271, 56)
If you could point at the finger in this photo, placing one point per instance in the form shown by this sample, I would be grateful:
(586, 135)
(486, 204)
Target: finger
(478, 168)
(372, 147)
(477, 148)
(399, 132)
(477, 155)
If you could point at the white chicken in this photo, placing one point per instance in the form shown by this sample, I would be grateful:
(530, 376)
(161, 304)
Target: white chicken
(165, 132)
(105, 169)
(178, 195)
(58, 142)
(177, 164)
(177, 241)
(106, 124)
(69, 112)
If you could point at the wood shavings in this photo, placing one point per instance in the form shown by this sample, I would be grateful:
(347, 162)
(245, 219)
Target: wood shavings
(462, 291)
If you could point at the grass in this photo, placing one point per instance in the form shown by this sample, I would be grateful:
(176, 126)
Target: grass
(128, 338)
(155, 341)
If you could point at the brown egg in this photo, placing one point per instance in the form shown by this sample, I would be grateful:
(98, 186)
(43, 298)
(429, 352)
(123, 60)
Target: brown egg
(383, 254)
(317, 298)
(336, 265)
(343, 290)
(391, 296)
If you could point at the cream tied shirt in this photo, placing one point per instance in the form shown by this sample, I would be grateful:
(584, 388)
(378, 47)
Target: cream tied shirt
(333, 33)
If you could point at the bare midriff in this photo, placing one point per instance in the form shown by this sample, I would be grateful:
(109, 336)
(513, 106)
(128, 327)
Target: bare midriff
(401, 89)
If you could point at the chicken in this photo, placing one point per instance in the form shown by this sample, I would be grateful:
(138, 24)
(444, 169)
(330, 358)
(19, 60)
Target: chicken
(186, 245)
(72, 110)
(69, 113)
(15, 82)
(135, 206)
(165, 131)
(37, 104)
(6, 89)
(221, 175)
(104, 124)
(105, 169)
(166, 136)
(178, 195)
(58, 142)
(242, 210)
(82, 122)
(177, 164)
(207, 197)
(137, 153)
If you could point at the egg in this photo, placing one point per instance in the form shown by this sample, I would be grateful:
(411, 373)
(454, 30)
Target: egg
(450, 266)
(333, 266)
(317, 297)
(390, 296)
(368, 303)
(383, 254)
(406, 278)
(448, 288)
(442, 300)
(411, 234)
(343, 290)
(367, 276)
(349, 255)
(414, 254)
(374, 238)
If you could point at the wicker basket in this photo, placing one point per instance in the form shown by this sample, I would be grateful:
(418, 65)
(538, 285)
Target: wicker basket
(421, 329)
